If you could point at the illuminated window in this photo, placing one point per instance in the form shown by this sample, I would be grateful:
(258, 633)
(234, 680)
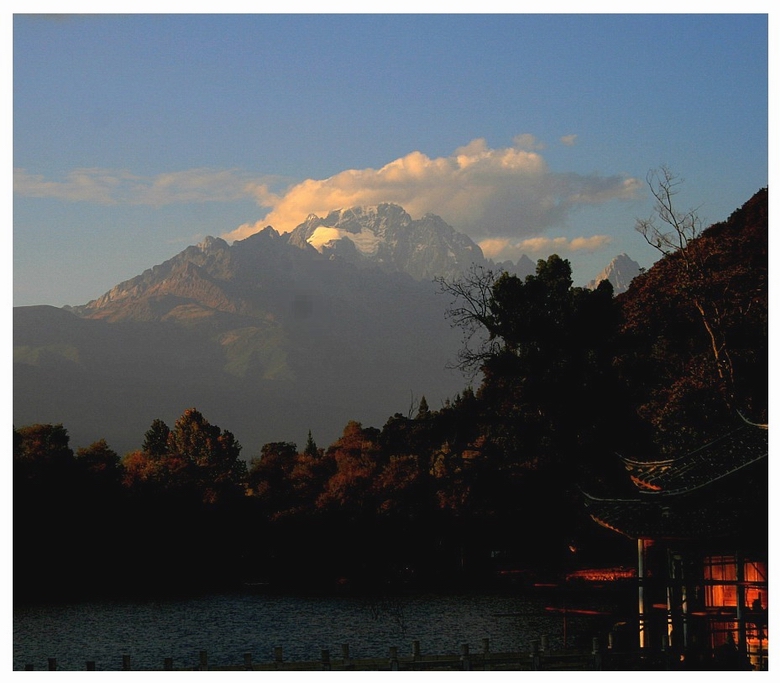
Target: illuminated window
(720, 576)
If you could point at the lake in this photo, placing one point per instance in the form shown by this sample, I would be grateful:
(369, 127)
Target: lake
(227, 625)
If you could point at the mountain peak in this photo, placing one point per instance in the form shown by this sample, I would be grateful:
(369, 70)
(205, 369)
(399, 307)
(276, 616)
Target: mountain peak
(386, 236)
(620, 271)
(211, 245)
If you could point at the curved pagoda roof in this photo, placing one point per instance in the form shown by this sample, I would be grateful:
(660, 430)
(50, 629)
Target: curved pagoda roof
(698, 495)
(715, 460)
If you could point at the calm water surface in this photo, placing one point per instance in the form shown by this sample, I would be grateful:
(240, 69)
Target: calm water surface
(229, 625)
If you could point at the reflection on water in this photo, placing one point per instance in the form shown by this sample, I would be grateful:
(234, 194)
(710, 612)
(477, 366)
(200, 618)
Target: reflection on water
(229, 625)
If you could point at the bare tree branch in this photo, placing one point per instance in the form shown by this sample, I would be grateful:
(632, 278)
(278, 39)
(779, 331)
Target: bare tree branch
(677, 236)
(470, 311)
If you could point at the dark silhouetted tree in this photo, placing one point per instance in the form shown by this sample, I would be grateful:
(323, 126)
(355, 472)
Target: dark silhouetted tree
(311, 447)
(156, 439)
(101, 464)
(675, 233)
(214, 453)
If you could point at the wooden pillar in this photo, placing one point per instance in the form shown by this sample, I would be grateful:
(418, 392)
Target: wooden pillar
(684, 609)
(640, 574)
(203, 661)
(673, 584)
(168, 664)
(52, 663)
(666, 651)
(248, 661)
(325, 659)
(741, 606)
(278, 655)
(90, 666)
(125, 662)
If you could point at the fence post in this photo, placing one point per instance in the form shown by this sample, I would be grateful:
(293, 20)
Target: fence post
(394, 658)
(278, 655)
(248, 661)
(325, 657)
(345, 653)
(125, 662)
(415, 650)
(486, 653)
(535, 658)
(90, 666)
(204, 661)
(168, 664)
(52, 663)
(465, 660)
(596, 651)
(545, 644)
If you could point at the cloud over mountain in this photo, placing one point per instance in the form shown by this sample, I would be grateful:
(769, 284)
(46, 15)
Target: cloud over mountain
(507, 192)
(504, 196)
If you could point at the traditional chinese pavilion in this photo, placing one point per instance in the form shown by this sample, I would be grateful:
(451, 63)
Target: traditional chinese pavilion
(700, 523)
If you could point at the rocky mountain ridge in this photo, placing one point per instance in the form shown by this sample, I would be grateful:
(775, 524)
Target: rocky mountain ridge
(387, 237)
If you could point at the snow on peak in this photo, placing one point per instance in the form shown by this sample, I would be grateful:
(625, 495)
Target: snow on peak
(366, 241)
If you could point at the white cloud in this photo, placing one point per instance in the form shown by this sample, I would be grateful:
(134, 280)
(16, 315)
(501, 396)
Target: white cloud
(528, 142)
(487, 193)
(103, 186)
(569, 140)
(481, 191)
(502, 248)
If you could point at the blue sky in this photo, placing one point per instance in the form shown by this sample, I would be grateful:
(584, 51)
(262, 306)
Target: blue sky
(137, 135)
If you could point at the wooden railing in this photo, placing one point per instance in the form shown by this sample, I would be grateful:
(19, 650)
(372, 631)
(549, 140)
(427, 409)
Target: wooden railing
(539, 657)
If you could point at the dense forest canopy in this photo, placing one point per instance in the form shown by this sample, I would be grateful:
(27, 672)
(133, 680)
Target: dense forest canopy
(570, 377)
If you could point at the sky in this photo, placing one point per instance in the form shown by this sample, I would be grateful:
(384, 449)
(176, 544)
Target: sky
(136, 135)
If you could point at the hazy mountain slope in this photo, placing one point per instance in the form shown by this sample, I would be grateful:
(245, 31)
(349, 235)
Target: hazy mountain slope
(266, 339)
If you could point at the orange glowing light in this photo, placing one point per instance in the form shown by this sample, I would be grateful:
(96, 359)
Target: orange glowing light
(568, 610)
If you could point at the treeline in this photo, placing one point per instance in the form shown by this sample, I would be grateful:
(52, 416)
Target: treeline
(570, 377)
(423, 500)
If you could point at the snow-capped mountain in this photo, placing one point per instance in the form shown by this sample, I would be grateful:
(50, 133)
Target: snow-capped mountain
(386, 236)
(620, 271)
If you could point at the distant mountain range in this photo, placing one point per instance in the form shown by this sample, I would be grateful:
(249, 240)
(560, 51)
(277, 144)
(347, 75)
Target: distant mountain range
(273, 336)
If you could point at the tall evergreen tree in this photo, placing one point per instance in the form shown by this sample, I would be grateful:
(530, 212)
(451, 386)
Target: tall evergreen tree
(311, 447)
